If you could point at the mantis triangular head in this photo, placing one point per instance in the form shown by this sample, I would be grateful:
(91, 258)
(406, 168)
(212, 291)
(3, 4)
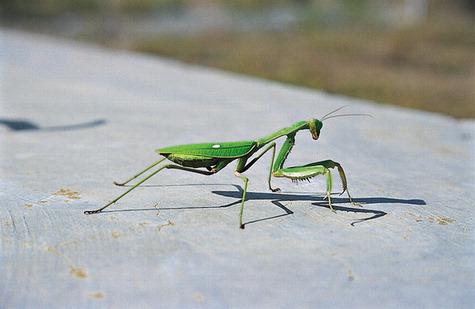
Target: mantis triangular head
(314, 126)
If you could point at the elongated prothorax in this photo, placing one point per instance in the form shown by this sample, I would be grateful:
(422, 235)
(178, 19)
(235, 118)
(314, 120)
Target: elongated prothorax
(300, 125)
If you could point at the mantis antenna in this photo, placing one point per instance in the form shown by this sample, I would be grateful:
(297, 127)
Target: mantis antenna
(333, 111)
(348, 115)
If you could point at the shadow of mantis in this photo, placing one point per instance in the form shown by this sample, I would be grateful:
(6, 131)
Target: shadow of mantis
(27, 125)
(278, 198)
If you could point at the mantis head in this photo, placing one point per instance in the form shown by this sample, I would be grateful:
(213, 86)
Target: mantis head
(314, 126)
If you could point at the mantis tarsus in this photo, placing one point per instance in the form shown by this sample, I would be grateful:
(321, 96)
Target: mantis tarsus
(210, 158)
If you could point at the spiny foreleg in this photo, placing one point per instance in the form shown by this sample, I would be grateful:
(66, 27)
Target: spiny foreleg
(305, 172)
(332, 164)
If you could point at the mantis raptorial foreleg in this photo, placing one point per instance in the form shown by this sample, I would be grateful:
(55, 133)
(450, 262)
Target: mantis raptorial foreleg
(297, 173)
(332, 164)
(317, 168)
(309, 170)
(284, 152)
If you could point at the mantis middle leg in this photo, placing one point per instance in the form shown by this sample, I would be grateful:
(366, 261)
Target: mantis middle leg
(242, 166)
(243, 198)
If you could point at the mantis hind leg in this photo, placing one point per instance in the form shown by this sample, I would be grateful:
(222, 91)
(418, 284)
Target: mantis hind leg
(139, 173)
(168, 166)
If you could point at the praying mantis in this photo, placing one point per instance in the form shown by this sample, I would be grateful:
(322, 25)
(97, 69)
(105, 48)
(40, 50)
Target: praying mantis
(210, 158)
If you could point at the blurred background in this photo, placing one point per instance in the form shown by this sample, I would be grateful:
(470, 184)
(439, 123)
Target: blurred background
(413, 53)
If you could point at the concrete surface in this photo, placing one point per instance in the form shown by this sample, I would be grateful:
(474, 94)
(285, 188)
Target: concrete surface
(74, 118)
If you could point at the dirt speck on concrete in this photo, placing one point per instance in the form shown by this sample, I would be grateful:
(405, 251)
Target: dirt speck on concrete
(116, 234)
(198, 297)
(70, 194)
(351, 277)
(144, 224)
(444, 220)
(77, 272)
(157, 207)
(434, 219)
(168, 223)
(98, 295)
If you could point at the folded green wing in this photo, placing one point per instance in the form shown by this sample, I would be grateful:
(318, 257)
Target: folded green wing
(215, 150)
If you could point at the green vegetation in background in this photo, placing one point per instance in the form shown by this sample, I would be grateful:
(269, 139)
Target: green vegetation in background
(48, 8)
(52, 8)
(430, 67)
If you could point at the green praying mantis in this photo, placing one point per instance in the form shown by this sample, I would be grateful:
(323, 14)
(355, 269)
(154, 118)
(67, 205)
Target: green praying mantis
(210, 158)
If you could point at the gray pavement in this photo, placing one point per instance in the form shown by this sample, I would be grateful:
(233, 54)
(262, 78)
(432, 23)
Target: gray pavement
(73, 118)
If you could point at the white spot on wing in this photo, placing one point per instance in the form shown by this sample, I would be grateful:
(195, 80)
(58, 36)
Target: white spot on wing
(216, 146)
